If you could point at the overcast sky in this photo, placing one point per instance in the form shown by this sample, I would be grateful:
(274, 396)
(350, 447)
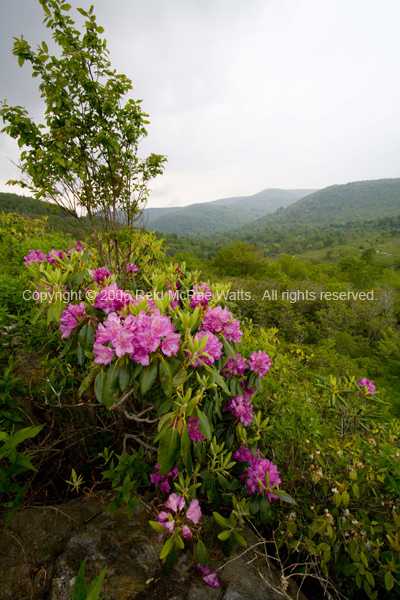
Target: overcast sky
(242, 95)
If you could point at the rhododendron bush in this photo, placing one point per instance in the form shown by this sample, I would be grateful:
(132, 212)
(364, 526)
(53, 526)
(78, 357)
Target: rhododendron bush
(168, 357)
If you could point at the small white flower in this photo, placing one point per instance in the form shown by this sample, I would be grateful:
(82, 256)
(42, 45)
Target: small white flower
(335, 490)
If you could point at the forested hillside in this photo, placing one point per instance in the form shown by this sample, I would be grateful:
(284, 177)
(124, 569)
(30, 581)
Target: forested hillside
(220, 215)
(361, 200)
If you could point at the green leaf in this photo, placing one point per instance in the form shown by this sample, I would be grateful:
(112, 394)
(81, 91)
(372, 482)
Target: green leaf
(185, 445)
(166, 378)
(180, 378)
(202, 554)
(110, 386)
(98, 385)
(87, 381)
(86, 337)
(80, 592)
(264, 510)
(224, 535)
(124, 376)
(157, 527)
(166, 549)
(94, 588)
(285, 497)
(228, 349)
(254, 505)
(222, 522)
(147, 377)
(239, 540)
(168, 451)
(204, 425)
(389, 581)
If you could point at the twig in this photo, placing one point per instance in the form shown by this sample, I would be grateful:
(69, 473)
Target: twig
(137, 439)
(137, 418)
(121, 400)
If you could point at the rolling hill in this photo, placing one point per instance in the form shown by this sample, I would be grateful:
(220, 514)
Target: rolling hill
(221, 215)
(337, 204)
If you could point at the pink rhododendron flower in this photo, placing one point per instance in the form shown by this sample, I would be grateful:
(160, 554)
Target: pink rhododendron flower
(242, 410)
(205, 570)
(110, 299)
(51, 258)
(233, 368)
(245, 455)
(220, 320)
(70, 318)
(162, 516)
(35, 256)
(202, 295)
(161, 481)
(194, 512)
(186, 532)
(170, 345)
(213, 348)
(169, 526)
(212, 580)
(103, 354)
(371, 389)
(99, 275)
(259, 362)
(174, 302)
(175, 502)
(257, 473)
(193, 427)
(132, 268)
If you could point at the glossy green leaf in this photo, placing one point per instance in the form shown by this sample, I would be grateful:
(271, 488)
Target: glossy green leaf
(168, 450)
(147, 377)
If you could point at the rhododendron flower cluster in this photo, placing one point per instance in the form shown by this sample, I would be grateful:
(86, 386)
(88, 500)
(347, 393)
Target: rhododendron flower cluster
(256, 476)
(136, 336)
(371, 389)
(242, 410)
(70, 318)
(53, 255)
(111, 298)
(246, 455)
(220, 320)
(38, 256)
(35, 256)
(202, 295)
(161, 481)
(213, 348)
(99, 275)
(132, 268)
(234, 368)
(169, 519)
(210, 578)
(259, 362)
(193, 428)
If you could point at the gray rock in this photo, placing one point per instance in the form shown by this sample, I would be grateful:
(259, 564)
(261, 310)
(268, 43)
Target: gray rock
(42, 550)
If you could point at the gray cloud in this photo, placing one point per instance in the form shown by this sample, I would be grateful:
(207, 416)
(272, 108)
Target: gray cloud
(243, 95)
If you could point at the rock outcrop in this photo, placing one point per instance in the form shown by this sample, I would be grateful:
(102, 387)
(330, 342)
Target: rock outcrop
(42, 550)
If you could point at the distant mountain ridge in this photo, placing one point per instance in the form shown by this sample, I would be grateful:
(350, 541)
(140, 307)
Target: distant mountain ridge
(337, 204)
(221, 215)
